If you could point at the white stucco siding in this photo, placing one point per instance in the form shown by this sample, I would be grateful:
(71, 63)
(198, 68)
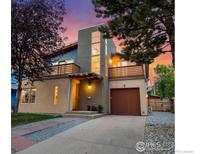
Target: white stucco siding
(44, 99)
(134, 83)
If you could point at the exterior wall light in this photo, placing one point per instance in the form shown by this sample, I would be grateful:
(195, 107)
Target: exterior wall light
(110, 60)
(89, 84)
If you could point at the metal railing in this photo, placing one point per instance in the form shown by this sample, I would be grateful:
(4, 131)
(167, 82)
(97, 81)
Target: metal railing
(64, 69)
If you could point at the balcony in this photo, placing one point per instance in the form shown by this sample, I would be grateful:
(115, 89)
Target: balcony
(63, 69)
(126, 71)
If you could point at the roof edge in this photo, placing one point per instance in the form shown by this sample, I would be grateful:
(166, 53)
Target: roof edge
(65, 49)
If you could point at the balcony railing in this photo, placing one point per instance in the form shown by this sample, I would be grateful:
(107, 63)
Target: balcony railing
(64, 69)
(126, 71)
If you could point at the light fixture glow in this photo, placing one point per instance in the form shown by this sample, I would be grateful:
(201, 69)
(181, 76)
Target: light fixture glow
(89, 84)
(110, 60)
(56, 95)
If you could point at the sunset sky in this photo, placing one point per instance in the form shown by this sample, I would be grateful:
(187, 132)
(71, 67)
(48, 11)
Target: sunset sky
(81, 14)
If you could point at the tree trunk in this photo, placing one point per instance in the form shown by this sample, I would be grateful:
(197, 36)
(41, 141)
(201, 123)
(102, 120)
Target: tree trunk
(147, 70)
(173, 53)
(18, 97)
(172, 45)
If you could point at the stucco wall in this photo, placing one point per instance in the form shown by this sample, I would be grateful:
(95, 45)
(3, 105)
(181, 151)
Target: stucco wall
(111, 47)
(84, 61)
(44, 100)
(84, 49)
(95, 92)
(134, 83)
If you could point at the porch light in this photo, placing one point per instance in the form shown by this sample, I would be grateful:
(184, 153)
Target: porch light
(34, 89)
(89, 84)
(110, 60)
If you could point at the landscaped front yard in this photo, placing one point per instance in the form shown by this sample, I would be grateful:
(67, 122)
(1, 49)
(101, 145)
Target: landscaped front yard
(25, 118)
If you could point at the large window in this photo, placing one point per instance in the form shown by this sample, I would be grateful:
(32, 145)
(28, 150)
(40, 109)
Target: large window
(28, 95)
(95, 53)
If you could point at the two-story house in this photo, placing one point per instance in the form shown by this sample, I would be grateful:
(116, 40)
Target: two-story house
(88, 75)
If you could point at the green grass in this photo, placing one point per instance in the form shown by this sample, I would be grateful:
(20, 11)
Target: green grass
(25, 118)
(171, 110)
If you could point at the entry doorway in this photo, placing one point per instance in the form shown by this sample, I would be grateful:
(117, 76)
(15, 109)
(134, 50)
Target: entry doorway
(75, 94)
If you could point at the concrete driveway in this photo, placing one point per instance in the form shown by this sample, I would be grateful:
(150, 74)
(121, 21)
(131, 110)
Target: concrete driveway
(105, 135)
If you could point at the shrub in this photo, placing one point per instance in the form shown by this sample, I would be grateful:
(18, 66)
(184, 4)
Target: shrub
(100, 108)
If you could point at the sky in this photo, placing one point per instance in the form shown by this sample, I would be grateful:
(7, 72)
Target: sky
(81, 14)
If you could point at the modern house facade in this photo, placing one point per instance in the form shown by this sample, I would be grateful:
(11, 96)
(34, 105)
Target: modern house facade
(88, 75)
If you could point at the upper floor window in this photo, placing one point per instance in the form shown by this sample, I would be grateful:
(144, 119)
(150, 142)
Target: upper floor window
(95, 52)
(96, 37)
(95, 49)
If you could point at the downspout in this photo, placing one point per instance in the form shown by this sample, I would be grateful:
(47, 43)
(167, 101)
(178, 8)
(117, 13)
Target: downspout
(145, 72)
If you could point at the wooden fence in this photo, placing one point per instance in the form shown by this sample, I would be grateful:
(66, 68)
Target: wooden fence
(160, 105)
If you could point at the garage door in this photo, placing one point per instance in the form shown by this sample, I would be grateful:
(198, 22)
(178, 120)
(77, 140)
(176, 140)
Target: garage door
(125, 101)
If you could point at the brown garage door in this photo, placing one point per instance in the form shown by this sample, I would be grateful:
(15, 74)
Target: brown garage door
(125, 101)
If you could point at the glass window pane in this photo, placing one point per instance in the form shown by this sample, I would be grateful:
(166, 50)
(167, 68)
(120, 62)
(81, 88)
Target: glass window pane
(24, 96)
(33, 95)
(96, 64)
(95, 37)
(96, 49)
(95, 52)
(56, 95)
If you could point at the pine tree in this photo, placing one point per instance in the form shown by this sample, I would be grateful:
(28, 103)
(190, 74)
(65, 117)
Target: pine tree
(145, 27)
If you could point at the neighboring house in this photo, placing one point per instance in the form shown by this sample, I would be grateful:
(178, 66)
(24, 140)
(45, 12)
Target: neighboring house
(14, 87)
(88, 74)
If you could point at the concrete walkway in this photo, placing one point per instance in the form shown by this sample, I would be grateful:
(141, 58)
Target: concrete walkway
(25, 136)
(105, 135)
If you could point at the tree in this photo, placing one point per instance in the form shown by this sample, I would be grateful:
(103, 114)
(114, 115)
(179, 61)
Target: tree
(35, 32)
(165, 81)
(145, 27)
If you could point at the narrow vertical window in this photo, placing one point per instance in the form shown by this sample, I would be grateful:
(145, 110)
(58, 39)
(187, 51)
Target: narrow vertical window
(33, 95)
(56, 95)
(95, 53)
(24, 96)
(106, 47)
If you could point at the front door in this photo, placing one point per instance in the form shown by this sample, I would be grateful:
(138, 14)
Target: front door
(75, 93)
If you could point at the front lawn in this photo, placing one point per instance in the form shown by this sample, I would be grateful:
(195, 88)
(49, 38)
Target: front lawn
(25, 118)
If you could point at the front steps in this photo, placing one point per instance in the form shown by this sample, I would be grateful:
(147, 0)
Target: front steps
(84, 114)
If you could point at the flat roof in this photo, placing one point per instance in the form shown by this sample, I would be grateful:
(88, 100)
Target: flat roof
(92, 26)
